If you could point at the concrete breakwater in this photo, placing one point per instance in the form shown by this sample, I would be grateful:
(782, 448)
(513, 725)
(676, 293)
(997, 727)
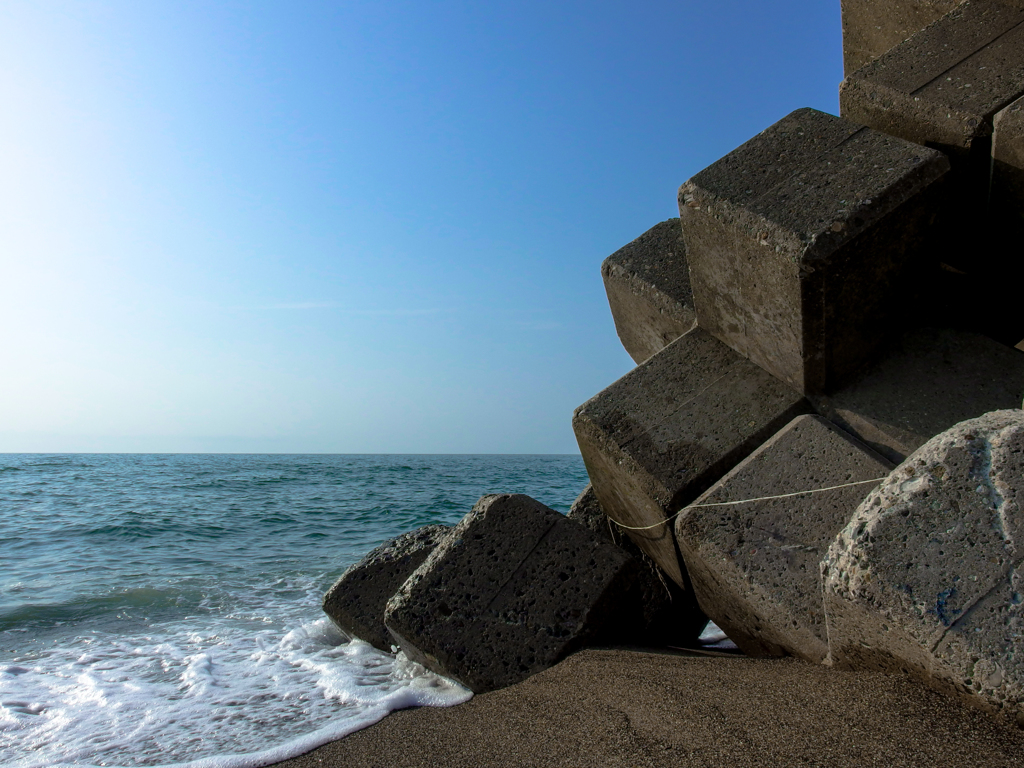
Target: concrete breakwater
(820, 446)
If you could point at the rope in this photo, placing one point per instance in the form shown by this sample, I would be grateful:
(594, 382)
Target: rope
(742, 501)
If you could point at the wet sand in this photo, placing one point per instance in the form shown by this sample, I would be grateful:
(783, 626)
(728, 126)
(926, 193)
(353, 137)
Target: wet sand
(614, 708)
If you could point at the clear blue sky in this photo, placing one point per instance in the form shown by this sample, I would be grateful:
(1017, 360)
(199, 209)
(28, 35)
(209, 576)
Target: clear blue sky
(352, 227)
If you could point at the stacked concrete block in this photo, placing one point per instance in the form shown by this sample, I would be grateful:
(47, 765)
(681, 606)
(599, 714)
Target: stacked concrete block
(666, 431)
(872, 27)
(356, 601)
(928, 380)
(648, 287)
(800, 242)
(927, 577)
(1007, 190)
(755, 565)
(943, 87)
(512, 590)
(668, 615)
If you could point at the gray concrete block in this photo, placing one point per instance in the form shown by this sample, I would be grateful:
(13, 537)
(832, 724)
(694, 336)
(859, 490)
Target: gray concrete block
(801, 241)
(648, 287)
(943, 86)
(356, 601)
(755, 566)
(514, 589)
(925, 382)
(1006, 199)
(872, 27)
(669, 615)
(928, 576)
(666, 431)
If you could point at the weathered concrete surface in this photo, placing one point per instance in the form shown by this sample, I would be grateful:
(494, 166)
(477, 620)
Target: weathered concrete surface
(927, 577)
(1007, 193)
(662, 434)
(648, 287)
(924, 383)
(669, 614)
(755, 566)
(872, 27)
(514, 589)
(800, 242)
(356, 601)
(943, 86)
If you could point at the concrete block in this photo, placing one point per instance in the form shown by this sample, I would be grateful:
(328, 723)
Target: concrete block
(943, 86)
(669, 615)
(755, 566)
(927, 577)
(356, 601)
(648, 287)
(872, 27)
(666, 431)
(1006, 199)
(926, 381)
(514, 589)
(801, 241)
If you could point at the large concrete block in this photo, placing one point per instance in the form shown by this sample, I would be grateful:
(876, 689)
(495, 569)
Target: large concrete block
(872, 27)
(943, 86)
(666, 431)
(801, 241)
(669, 615)
(927, 577)
(356, 601)
(648, 287)
(926, 381)
(514, 589)
(755, 566)
(1006, 204)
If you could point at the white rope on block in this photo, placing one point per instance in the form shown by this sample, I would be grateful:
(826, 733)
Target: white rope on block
(743, 501)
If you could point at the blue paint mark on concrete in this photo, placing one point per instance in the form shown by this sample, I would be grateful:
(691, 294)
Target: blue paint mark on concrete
(942, 610)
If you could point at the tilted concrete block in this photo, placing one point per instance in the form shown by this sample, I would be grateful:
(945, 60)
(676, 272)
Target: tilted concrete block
(1006, 200)
(927, 577)
(356, 601)
(943, 86)
(648, 287)
(801, 241)
(755, 566)
(872, 27)
(925, 382)
(666, 431)
(514, 589)
(669, 615)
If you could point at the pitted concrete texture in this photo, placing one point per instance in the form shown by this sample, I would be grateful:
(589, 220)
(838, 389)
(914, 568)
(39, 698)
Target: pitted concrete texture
(356, 601)
(514, 589)
(872, 27)
(666, 431)
(927, 381)
(927, 577)
(943, 86)
(1007, 193)
(648, 287)
(755, 566)
(670, 616)
(801, 242)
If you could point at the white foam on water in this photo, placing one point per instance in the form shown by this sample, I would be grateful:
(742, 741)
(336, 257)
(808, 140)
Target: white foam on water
(214, 696)
(714, 637)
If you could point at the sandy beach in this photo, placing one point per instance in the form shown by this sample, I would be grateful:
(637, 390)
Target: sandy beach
(642, 708)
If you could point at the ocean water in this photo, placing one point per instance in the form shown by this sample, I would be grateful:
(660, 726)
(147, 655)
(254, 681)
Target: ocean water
(165, 609)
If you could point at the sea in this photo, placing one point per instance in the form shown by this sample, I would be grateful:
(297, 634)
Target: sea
(165, 609)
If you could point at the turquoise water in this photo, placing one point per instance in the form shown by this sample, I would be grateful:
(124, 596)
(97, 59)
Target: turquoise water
(165, 609)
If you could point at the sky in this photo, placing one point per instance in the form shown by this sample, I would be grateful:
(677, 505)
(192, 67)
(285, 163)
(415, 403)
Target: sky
(352, 227)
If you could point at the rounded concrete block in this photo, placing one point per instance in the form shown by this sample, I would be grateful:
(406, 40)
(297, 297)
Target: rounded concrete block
(927, 577)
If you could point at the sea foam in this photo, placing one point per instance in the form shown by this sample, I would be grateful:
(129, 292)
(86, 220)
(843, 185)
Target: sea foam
(204, 699)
